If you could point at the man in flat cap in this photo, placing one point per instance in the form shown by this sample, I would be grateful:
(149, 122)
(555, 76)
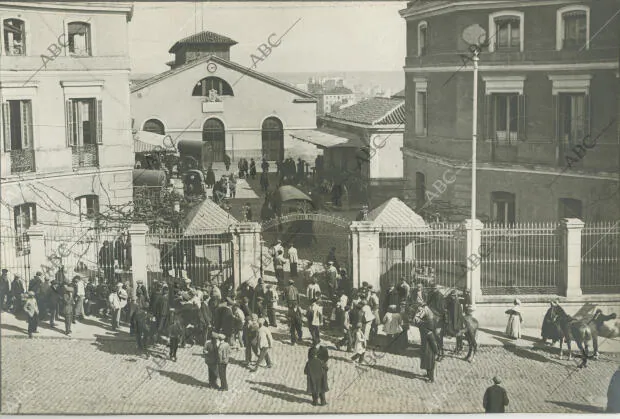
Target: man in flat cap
(495, 398)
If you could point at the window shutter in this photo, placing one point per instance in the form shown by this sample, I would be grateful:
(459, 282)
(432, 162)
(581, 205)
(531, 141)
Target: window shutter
(70, 123)
(26, 111)
(522, 126)
(426, 112)
(587, 123)
(488, 120)
(6, 125)
(99, 123)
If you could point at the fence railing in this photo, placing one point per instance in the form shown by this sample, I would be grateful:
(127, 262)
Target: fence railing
(434, 254)
(13, 258)
(600, 258)
(206, 258)
(521, 259)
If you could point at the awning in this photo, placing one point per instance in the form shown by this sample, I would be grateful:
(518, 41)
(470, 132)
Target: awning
(329, 138)
(290, 193)
(145, 141)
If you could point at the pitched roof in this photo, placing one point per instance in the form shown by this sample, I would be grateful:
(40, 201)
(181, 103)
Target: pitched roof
(374, 111)
(399, 95)
(207, 218)
(338, 90)
(229, 64)
(394, 213)
(204, 37)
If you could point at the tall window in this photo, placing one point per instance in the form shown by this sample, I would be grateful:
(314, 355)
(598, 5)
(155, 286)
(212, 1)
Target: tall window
(14, 31)
(204, 86)
(421, 109)
(273, 139)
(507, 33)
(18, 138)
(88, 206)
(505, 107)
(84, 122)
(422, 38)
(573, 27)
(573, 118)
(79, 38)
(25, 216)
(570, 208)
(503, 207)
(155, 126)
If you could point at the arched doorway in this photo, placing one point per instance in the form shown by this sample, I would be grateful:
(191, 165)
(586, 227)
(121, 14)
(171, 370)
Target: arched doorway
(155, 126)
(273, 139)
(214, 140)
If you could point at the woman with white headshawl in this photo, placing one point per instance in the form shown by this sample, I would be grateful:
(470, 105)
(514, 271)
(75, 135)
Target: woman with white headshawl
(513, 329)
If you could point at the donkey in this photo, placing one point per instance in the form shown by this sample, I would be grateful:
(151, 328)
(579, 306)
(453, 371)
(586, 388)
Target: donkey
(572, 329)
(436, 322)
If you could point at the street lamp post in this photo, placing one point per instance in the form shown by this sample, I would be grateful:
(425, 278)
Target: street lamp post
(474, 144)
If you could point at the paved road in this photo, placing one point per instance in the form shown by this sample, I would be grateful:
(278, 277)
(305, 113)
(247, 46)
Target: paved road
(104, 374)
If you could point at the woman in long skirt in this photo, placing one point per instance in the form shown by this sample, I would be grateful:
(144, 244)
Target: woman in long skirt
(513, 329)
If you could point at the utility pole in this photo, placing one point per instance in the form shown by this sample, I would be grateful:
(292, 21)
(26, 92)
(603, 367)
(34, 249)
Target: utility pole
(474, 148)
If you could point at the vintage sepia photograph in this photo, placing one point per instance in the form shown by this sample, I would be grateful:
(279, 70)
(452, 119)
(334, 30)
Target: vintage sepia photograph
(309, 207)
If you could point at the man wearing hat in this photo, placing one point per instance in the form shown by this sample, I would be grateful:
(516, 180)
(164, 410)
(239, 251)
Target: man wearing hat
(293, 260)
(332, 279)
(18, 288)
(211, 358)
(32, 310)
(223, 318)
(315, 320)
(175, 334)
(5, 289)
(278, 265)
(265, 342)
(223, 354)
(270, 300)
(495, 398)
(68, 296)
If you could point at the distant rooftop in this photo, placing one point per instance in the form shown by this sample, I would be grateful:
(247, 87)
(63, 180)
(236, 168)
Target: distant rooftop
(374, 111)
(204, 37)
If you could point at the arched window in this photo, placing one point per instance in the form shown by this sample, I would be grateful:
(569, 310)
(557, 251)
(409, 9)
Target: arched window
(79, 38)
(506, 31)
(14, 31)
(155, 126)
(422, 38)
(273, 139)
(214, 138)
(203, 87)
(573, 27)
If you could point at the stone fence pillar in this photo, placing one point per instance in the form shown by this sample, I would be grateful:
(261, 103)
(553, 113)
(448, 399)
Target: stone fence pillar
(366, 254)
(38, 257)
(474, 255)
(139, 258)
(570, 281)
(247, 248)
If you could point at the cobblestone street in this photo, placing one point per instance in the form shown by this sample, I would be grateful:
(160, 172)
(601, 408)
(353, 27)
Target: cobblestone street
(104, 374)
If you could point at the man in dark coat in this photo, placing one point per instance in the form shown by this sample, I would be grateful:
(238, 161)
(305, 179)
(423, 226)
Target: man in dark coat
(18, 288)
(227, 161)
(5, 289)
(68, 293)
(435, 300)
(316, 373)
(269, 306)
(55, 296)
(495, 398)
(223, 319)
(429, 351)
(455, 319)
(106, 261)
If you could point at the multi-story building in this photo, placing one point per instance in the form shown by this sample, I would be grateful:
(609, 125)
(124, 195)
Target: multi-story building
(65, 126)
(326, 99)
(547, 108)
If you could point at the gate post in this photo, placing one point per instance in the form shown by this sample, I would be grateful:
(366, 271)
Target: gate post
(571, 257)
(38, 258)
(246, 252)
(366, 252)
(473, 259)
(138, 255)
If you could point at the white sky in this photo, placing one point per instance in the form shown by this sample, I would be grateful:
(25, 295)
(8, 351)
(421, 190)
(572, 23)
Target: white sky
(343, 36)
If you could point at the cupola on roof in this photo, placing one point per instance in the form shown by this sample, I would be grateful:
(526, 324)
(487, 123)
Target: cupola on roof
(202, 38)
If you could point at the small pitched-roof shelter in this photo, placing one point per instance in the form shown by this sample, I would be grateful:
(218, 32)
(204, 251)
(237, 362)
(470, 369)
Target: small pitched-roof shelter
(394, 213)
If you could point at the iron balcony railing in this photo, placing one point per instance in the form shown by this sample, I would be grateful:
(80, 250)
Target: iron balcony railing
(85, 155)
(22, 161)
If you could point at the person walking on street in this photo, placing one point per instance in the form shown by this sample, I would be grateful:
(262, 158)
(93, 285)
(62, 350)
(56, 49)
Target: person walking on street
(80, 295)
(227, 162)
(265, 342)
(5, 290)
(116, 305)
(315, 320)
(428, 355)
(359, 344)
(513, 328)
(55, 296)
(344, 322)
(252, 169)
(278, 265)
(175, 334)
(250, 337)
(313, 289)
(316, 377)
(495, 398)
(18, 289)
(210, 353)
(392, 323)
(223, 354)
(270, 300)
(293, 259)
(32, 310)
(68, 307)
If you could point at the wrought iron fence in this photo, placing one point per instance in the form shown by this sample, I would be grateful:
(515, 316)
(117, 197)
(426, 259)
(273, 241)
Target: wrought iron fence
(434, 254)
(600, 258)
(86, 155)
(15, 260)
(205, 257)
(22, 161)
(521, 259)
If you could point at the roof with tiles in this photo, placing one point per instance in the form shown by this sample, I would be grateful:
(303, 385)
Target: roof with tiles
(394, 213)
(374, 111)
(204, 37)
(207, 218)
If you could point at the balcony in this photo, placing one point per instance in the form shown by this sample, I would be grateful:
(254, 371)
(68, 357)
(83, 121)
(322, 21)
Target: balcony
(85, 156)
(22, 161)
